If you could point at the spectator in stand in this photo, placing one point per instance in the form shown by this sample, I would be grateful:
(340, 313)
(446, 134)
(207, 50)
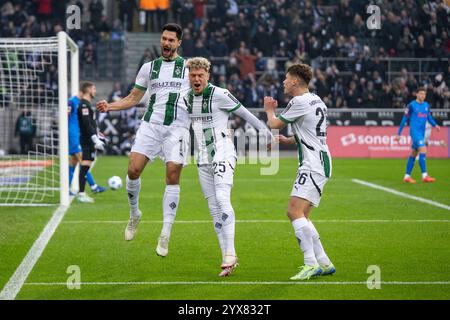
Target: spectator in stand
(103, 27)
(126, 13)
(246, 62)
(44, 10)
(96, 10)
(188, 44)
(146, 57)
(26, 131)
(116, 94)
(199, 9)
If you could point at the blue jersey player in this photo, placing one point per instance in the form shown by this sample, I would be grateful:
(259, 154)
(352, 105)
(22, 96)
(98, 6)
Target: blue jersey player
(418, 113)
(74, 144)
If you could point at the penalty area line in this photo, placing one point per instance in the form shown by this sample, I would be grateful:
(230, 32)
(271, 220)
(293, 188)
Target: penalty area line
(238, 283)
(401, 194)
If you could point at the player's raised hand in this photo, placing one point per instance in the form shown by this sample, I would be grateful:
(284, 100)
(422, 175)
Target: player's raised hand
(102, 106)
(438, 128)
(270, 103)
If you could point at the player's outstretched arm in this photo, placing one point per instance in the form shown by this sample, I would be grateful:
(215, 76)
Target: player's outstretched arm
(129, 101)
(270, 104)
(243, 113)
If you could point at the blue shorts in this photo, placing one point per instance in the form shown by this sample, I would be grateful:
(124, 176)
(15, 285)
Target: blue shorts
(418, 142)
(74, 145)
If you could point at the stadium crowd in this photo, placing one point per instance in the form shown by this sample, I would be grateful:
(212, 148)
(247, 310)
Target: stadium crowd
(252, 42)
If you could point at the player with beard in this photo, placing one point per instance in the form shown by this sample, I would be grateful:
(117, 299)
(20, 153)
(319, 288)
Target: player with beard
(164, 130)
(89, 140)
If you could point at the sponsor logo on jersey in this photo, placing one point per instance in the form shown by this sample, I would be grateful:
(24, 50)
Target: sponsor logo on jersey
(85, 111)
(167, 84)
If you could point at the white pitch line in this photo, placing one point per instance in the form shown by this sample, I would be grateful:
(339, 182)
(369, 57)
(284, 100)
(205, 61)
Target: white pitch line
(402, 194)
(258, 221)
(17, 280)
(245, 283)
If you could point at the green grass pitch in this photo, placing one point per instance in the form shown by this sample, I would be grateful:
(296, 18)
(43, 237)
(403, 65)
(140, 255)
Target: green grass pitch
(359, 226)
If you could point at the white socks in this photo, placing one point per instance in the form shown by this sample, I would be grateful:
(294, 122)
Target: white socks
(319, 252)
(170, 206)
(227, 219)
(133, 189)
(304, 235)
(214, 209)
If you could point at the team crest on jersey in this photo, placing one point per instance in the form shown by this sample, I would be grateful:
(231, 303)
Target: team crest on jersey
(85, 111)
(177, 71)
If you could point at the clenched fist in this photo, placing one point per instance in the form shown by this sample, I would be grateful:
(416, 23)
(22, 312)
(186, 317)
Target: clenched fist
(102, 106)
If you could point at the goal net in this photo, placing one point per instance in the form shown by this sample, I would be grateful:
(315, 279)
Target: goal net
(33, 119)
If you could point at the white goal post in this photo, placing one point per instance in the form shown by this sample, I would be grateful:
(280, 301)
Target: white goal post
(34, 77)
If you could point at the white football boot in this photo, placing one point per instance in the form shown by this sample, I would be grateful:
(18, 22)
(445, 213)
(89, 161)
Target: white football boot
(84, 198)
(162, 249)
(131, 229)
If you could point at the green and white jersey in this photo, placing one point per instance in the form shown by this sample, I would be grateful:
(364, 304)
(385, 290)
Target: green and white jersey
(167, 82)
(308, 116)
(209, 112)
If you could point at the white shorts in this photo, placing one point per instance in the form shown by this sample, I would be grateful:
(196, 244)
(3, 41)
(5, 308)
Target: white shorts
(167, 142)
(211, 175)
(309, 185)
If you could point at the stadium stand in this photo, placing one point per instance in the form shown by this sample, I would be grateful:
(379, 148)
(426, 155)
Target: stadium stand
(252, 42)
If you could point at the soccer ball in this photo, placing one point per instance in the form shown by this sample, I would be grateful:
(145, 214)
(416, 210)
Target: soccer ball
(115, 183)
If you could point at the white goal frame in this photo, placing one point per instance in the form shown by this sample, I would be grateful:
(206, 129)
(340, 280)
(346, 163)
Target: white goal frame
(64, 44)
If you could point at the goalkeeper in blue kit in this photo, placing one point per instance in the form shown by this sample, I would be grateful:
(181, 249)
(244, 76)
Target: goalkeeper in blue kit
(418, 113)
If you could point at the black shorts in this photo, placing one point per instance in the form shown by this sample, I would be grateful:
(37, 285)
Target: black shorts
(88, 152)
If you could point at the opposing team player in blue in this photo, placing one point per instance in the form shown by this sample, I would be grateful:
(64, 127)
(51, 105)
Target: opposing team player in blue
(74, 144)
(418, 113)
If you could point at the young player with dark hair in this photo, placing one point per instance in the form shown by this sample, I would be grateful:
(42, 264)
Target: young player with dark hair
(307, 115)
(164, 130)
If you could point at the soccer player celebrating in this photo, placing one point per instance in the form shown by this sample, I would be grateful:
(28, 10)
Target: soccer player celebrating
(307, 114)
(209, 108)
(88, 137)
(164, 130)
(74, 144)
(418, 113)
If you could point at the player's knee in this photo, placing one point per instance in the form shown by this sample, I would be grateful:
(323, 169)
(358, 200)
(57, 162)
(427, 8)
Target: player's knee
(173, 172)
(172, 178)
(294, 212)
(134, 172)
